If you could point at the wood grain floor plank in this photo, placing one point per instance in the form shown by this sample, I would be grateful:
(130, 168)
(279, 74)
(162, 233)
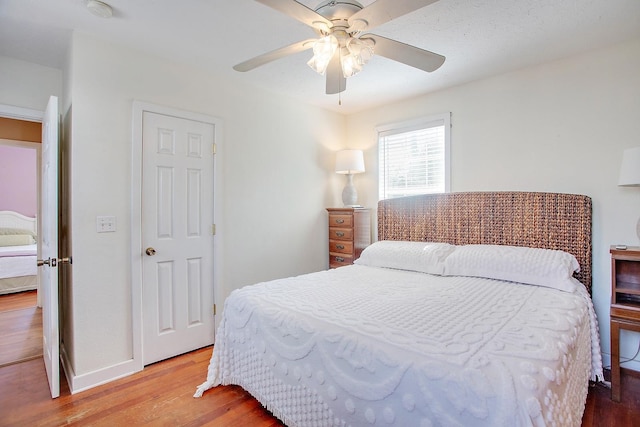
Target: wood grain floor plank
(20, 335)
(160, 395)
(18, 300)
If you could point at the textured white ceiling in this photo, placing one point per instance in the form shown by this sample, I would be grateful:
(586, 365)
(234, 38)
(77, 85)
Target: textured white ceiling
(478, 37)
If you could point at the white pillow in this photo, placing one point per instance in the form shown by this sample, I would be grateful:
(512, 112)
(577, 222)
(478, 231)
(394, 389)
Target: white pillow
(424, 257)
(534, 266)
(16, 240)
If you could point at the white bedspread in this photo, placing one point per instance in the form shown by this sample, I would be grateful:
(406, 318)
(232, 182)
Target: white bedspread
(16, 261)
(362, 345)
(7, 251)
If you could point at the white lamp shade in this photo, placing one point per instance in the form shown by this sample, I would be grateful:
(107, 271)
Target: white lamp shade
(630, 169)
(349, 161)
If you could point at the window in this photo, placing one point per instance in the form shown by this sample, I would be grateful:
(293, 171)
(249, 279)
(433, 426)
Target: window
(413, 157)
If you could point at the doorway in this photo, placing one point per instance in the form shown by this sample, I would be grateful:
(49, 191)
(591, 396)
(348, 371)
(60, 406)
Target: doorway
(20, 313)
(173, 231)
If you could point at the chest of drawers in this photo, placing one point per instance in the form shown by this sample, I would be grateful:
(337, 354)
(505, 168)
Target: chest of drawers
(349, 234)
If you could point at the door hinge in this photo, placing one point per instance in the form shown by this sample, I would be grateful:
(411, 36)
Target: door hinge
(214, 309)
(214, 148)
(213, 230)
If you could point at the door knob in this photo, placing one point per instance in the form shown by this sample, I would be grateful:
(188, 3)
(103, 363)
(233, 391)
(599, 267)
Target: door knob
(53, 262)
(150, 251)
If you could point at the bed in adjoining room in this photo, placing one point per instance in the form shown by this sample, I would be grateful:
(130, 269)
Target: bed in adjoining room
(18, 253)
(471, 309)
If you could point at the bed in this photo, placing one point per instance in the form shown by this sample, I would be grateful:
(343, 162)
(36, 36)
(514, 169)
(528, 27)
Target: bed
(18, 252)
(471, 309)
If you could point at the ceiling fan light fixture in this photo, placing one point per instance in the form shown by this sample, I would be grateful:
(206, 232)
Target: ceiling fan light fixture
(323, 50)
(361, 49)
(349, 63)
(325, 46)
(340, 25)
(317, 65)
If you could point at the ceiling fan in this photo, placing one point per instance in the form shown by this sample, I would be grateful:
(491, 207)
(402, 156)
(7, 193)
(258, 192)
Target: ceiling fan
(342, 49)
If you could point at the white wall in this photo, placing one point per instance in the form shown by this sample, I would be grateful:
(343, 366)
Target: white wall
(27, 85)
(558, 127)
(275, 156)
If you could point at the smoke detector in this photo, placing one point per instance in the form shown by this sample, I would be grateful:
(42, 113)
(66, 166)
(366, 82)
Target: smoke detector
(99, 8)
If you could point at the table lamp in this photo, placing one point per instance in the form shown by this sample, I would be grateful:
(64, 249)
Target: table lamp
(349, 162)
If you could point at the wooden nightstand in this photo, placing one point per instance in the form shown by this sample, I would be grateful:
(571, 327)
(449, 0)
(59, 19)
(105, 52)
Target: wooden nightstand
(625, 305)
(349, 234)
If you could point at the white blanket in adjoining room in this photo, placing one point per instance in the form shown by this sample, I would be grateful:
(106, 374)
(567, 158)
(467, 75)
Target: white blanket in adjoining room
(17, 261)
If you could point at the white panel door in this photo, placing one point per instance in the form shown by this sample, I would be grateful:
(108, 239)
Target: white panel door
(177, 237)
(48, 259)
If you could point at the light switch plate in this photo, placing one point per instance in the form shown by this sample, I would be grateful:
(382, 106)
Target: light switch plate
(105, 224)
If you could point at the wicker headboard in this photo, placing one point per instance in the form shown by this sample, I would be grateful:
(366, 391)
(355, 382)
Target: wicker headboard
(539, 220)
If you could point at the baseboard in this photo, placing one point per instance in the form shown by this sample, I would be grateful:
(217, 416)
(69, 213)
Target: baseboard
(632, 367)
(79, 383)
(630, 372)
(66, 365)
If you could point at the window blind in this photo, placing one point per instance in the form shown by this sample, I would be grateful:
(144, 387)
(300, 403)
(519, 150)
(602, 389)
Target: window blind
(412, 159)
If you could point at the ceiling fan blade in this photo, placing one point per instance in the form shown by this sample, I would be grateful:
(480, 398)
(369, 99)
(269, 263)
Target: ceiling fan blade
(336, 82)
(407, 54)
(273, 55)
(381, 11)
(300, 12)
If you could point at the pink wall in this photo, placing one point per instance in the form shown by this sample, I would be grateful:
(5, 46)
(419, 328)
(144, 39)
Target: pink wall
(18, 180)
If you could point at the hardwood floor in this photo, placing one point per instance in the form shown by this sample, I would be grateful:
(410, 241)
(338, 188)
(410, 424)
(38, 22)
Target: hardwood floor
(18, 301)
(159, 395)
(601, 411)
(162, 395)
(20, 328)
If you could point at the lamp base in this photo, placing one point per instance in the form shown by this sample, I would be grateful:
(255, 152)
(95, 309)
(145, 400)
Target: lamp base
(349, 194)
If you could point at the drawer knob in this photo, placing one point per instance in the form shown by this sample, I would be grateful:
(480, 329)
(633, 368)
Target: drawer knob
(340, 233)
(339, 220)
(340, 246)
(339, 259)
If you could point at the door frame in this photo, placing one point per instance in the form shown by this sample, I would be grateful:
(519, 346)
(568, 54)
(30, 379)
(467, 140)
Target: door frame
(19, 113)
(37, 146)
(138, 110)
(28, 115)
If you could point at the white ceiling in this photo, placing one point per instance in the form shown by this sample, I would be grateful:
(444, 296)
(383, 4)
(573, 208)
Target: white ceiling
(478, 37)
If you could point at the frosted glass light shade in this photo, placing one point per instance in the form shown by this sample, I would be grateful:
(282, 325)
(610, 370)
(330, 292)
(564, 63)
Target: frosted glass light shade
(323, 50)
(361, 49)
(349, 63)
(349, 161)
(630, 169)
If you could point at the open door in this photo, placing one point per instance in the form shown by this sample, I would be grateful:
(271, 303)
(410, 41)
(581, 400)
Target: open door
(48, 259)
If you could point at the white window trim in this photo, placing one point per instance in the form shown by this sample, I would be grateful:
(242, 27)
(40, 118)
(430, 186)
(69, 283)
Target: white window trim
(419, 123)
